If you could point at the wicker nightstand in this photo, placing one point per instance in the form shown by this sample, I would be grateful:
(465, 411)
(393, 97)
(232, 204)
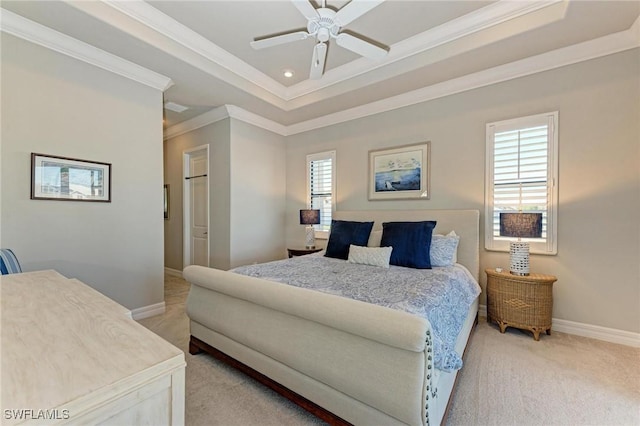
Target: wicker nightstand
(524, 302)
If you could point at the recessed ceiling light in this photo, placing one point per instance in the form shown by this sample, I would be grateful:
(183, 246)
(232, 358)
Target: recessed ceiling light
(288, 73)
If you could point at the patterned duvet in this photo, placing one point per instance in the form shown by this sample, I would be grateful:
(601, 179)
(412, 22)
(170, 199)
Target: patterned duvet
(441, 295)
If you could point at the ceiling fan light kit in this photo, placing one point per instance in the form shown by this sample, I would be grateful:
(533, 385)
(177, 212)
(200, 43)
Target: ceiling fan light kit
(325, 24)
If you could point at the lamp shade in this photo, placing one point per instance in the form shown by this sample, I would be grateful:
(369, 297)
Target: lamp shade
(521, 225)
(309, 217)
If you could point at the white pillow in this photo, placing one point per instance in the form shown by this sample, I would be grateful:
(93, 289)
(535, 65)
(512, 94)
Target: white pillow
(444, 249)
(374, 239)
(374, 256)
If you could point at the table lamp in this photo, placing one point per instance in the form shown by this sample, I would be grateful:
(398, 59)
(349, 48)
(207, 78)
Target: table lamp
(520, 225)
(310, 217)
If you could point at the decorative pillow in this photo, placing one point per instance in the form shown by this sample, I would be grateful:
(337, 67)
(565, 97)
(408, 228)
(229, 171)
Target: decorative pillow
(411, 242)
(374, 256)
(444, 249)
(344, 233)
(374, 239)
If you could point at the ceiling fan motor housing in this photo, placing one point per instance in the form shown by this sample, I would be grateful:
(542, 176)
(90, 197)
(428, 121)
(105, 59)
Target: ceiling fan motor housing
(325, 26)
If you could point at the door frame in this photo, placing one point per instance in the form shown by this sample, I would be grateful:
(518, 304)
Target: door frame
(186, 202)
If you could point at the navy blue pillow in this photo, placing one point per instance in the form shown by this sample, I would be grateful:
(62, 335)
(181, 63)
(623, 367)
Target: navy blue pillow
(411, 242)
(343, 234)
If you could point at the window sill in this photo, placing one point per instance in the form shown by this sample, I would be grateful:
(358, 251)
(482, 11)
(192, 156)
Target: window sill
(531, 251)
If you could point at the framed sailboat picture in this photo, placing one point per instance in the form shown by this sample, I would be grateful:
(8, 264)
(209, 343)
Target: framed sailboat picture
(400, 173)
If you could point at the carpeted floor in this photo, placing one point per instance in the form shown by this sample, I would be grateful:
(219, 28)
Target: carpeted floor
(508, 379)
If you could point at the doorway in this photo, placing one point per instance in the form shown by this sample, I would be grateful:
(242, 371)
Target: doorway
(196, 206)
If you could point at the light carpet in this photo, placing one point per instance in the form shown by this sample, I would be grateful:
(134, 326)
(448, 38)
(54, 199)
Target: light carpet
(508, 379)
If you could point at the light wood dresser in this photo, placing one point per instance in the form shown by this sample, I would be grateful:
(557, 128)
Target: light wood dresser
(70, 355)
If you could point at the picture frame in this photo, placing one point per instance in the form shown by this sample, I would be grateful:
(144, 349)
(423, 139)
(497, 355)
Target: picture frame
(69, 179)
(166, 201)
(400, 173)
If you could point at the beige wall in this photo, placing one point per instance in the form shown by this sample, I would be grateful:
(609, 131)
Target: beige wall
(257, 194)
(217, 137)
(599, 174)
(56, 105)
(247, 195)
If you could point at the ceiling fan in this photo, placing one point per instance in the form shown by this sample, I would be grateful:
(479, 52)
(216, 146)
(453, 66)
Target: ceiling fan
(324, 24)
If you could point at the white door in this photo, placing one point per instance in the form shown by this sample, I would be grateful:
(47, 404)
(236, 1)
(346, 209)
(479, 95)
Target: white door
(196, 204)
(199, 225)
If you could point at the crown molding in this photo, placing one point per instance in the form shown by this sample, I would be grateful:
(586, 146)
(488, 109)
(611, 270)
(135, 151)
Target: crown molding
(218, 62)
(471, 23)
(592, 49)
(18, 26)
(33, 32)
(209, 117)
(603, 46)
(247, 78)
(257, 120)
(221, 113)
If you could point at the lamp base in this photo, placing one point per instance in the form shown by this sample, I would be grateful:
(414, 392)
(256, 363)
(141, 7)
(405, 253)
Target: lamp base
(310, 237)
(519, 261)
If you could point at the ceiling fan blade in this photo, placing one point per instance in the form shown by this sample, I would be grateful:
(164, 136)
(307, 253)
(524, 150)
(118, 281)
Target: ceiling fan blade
(317, 61)
(355, 9)
(280, 39)
(306, 9)
(359, 46)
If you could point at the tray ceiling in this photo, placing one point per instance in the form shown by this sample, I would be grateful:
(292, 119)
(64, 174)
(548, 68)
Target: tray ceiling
(434, 47)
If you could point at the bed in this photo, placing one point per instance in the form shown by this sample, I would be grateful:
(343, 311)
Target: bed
(344, 360)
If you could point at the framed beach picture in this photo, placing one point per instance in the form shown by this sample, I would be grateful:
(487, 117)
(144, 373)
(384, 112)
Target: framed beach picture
(69, 179)
(400, 173)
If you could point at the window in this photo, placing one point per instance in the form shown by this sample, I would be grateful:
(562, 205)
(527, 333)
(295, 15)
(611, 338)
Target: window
(321, 188)
(521, 175)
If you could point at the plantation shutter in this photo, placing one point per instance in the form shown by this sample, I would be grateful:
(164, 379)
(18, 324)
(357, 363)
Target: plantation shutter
(321, 176)
(522, 173)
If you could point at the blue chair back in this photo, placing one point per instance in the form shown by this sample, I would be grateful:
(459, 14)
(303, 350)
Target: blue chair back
(9, 262)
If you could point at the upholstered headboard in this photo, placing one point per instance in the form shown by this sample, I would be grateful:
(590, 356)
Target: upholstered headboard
(466, 223)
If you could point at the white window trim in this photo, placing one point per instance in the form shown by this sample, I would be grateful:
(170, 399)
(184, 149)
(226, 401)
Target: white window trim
(323, 235)
(550, 247)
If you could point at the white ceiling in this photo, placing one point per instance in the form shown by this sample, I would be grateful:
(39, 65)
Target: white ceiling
(435, 48)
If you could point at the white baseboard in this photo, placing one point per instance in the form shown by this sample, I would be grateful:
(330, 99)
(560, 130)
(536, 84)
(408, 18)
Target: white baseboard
(173, 272)
(148, 311)
(612, 335)
(156, 309)
(482, 310)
